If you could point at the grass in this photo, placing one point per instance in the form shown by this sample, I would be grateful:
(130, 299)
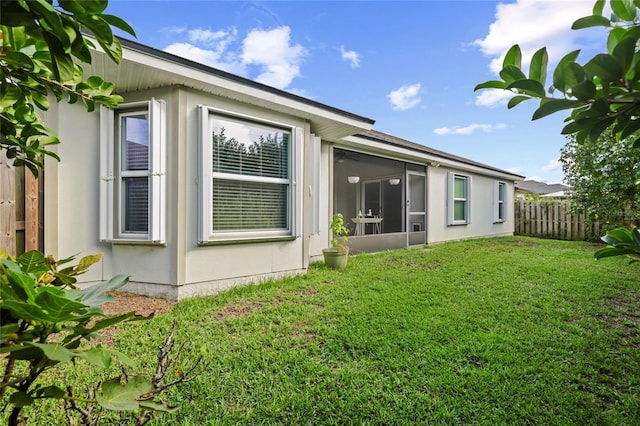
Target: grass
(497, 331)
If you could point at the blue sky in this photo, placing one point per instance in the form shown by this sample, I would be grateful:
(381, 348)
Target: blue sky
(410, 65)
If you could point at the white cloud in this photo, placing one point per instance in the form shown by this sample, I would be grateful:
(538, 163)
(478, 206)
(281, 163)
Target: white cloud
(271, 51)
(533, 24)
(493, 97)
(406, 97)
(350, 56)
(218, 39)
(278, 62)
(554, 164)
(468, 130)
(213, 58)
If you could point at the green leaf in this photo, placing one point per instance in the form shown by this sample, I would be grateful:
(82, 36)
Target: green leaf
(615, 35)
(573, 75)
(584, 91)
(552, 106)
(119, 23)
(53, 351)
(513, 57)
(618, 235)
(609, 252)
(114, 395)
(94, 6)
(51, 392)
(558, 72)
(32, 261)
(591, 21)
(511, 73)
(530, 87)
(538, 67)
(94, 296)
(58, 307)
(598, 7)
(97, 356)
(19, 60)
(10, 95)
(517, 100)
(623, 53)
(605, 67)
(72, 6)
(624, 9)
(20, 399)
(599, 127)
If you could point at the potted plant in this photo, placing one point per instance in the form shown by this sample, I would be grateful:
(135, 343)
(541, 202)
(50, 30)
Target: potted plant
(335, 256)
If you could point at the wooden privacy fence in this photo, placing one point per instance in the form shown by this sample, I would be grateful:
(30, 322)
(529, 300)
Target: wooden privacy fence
(21, 209)
(553, 220)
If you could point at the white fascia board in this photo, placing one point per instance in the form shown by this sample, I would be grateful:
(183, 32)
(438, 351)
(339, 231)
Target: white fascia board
(367, 146)
(193, 77)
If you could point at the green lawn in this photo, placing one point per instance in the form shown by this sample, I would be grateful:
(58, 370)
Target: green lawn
(498, 331)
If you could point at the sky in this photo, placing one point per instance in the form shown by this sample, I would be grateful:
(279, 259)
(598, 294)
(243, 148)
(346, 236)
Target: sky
(410, 65)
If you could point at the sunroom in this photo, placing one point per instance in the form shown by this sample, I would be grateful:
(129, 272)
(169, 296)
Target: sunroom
(383, 200)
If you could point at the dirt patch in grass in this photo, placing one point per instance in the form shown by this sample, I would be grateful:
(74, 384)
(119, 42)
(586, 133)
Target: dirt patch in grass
(624, 316)
(236, 310)
(141, 305)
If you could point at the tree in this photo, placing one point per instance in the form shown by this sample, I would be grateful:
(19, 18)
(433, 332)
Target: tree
(604, 93)
(40, 46)
(603, 178)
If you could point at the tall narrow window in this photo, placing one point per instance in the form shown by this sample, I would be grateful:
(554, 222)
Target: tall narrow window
(458, 199)
(248, 178)
(500, 209)
(134, 172)
(132, 198)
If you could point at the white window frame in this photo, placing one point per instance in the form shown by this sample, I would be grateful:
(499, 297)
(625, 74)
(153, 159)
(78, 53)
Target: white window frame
(498, 202)
(451, 221)
(294, 200)
(111, 208)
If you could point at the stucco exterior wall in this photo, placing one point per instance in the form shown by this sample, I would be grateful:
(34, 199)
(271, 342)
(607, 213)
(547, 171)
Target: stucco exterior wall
(482, 222)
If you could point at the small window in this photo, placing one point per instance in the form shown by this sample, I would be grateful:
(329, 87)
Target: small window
(247, 178)
(500, 205)
(458, 199)
(132, 172)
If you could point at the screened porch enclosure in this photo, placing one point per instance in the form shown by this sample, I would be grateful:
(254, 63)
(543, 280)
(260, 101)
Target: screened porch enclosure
(383, 201)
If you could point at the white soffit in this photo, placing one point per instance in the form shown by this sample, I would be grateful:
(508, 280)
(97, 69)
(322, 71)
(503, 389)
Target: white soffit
(142, 70)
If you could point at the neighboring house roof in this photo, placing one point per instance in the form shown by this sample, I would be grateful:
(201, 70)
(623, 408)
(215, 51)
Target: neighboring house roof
(144, 67)
(388, 139)
(535, 187)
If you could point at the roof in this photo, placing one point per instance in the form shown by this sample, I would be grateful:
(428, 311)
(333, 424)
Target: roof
(535, 187)
(388, 139)
(144, 67)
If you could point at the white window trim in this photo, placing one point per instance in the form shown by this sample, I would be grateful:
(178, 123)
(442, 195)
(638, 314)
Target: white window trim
(205, 207)
(451, 200)
(109, 177)
(497, 202)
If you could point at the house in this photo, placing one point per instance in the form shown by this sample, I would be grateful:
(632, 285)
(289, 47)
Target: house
(535, 189)
(202, 180)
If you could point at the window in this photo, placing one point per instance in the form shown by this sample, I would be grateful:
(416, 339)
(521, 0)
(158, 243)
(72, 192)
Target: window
(500, 206)
(132, 172)
(248, 178)
(459, 196)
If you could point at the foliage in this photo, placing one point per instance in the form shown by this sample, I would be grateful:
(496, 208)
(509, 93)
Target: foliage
(339, 232)
(479, 332)
(621, 242)
(602, 93)
(603, 177)
(45, 320)
(40, 47)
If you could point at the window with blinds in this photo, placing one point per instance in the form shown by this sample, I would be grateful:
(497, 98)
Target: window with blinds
(132, 178)
(134, 171)
(251, 182)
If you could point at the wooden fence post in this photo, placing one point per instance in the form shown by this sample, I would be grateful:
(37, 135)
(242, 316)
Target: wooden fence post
(7, 204)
